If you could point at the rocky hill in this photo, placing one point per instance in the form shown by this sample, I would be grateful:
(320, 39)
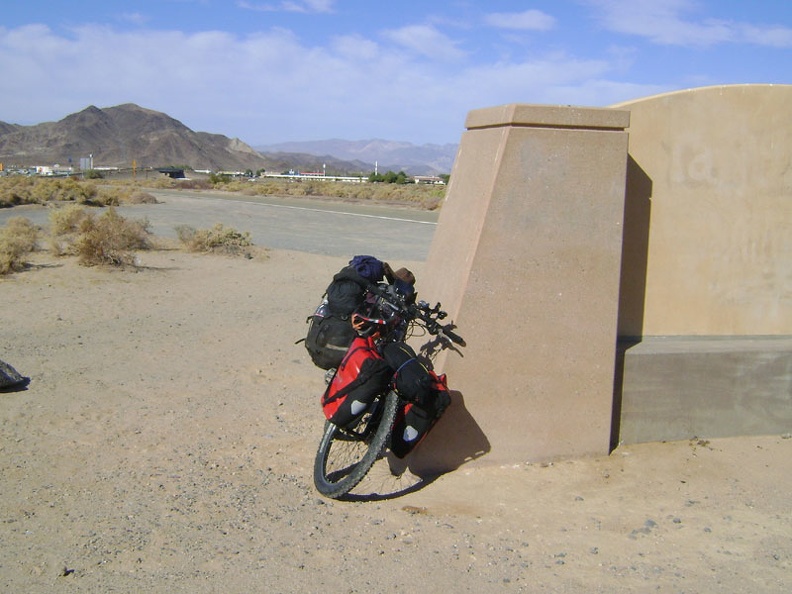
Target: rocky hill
(117, 136)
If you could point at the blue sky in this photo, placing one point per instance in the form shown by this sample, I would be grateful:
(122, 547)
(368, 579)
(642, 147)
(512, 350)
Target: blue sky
(269, 71)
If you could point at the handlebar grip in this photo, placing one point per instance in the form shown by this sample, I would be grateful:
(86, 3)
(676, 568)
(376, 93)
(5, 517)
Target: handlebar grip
(453, 337)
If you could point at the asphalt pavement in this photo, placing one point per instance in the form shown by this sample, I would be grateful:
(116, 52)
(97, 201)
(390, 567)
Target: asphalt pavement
(299, 224)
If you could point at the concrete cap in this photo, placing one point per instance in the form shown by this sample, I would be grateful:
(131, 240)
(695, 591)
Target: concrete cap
(547, 116)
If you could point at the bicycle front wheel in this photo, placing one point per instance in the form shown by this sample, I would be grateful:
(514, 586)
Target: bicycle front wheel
(346, 454)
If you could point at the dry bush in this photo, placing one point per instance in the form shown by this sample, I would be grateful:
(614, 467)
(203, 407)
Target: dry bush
(105, 197)
(63, 190)
(64, 224)
(218, 239)
(425, 196)
(163, 182)
(37, 190)
(194, 184)
(140, 197)
(96, 240)
(19, 189)
(18, 238)
(15, 190)
(118, 195)
(24, 190)
(110, 239)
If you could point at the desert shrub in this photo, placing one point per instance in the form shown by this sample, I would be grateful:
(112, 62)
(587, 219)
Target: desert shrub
(64, 190)
(67, 219)
(105, 239)
(15, 190)
(18, 238)
(103, 196)
(110, 239)
(115, 196)
(425, 196)
(195, 184)
(118, 194)
(36, 190)
(25, 190)
(219, 179)
(140, 197)
(161, 182)
(64, 225)
(218, 239)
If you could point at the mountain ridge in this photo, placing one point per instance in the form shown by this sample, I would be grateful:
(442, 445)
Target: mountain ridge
(425, 159)
(128, 134)
(118, 136)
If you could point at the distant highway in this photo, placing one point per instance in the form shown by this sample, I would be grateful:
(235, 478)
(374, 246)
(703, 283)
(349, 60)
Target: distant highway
(300, 224)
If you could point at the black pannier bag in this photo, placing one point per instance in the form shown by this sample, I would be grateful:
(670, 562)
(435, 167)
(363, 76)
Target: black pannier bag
(348, 289)
(425, 392)
(330, 332)
(412, 379)
(328, 337)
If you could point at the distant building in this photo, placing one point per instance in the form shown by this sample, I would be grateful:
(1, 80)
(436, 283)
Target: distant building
(53, 171)
(428, 179)
(172, 172)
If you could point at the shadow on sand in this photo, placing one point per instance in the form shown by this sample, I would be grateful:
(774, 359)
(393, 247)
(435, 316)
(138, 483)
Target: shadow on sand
(455, 440)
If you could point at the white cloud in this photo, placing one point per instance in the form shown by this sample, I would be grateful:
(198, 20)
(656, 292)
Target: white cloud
(270, 86)
(664, 22)
(320, 5)
(771, 35)
(355, 47)
(425, 40)
(134, 18)
(527, 81)
(413, 83)
(301, 6)
(530, 20)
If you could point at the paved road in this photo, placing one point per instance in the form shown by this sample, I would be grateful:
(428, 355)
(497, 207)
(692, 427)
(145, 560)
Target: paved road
(314, 226)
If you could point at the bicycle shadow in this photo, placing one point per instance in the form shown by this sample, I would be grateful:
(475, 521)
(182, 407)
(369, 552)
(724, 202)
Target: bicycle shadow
(455, 440)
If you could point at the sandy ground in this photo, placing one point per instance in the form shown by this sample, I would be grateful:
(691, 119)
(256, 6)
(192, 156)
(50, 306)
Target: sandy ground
(165, 444)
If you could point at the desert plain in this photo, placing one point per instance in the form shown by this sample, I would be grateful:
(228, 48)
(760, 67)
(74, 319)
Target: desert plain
(165, 443)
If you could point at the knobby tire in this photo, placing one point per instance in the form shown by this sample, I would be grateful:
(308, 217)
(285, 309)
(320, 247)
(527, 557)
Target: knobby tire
(343, 458)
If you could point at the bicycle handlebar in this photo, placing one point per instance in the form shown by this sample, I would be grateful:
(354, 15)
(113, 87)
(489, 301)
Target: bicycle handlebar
(433, 326)
(423, 312)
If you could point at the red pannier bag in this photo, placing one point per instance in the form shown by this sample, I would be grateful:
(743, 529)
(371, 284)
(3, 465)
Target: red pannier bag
(362, 375)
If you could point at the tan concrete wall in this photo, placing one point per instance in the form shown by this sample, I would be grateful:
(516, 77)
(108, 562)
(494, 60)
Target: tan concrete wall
(693, 386)
(708, 238)
(529, 245)
(526, 260)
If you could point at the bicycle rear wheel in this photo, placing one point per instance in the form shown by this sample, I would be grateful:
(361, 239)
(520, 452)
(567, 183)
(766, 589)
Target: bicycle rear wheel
(345, 455)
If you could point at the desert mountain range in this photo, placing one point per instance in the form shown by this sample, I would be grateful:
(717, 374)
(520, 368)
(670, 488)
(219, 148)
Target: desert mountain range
(128, 134)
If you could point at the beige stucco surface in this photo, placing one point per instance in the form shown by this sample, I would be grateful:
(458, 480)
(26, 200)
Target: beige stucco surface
(710, 242)
(559, 236)
(526, 259)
